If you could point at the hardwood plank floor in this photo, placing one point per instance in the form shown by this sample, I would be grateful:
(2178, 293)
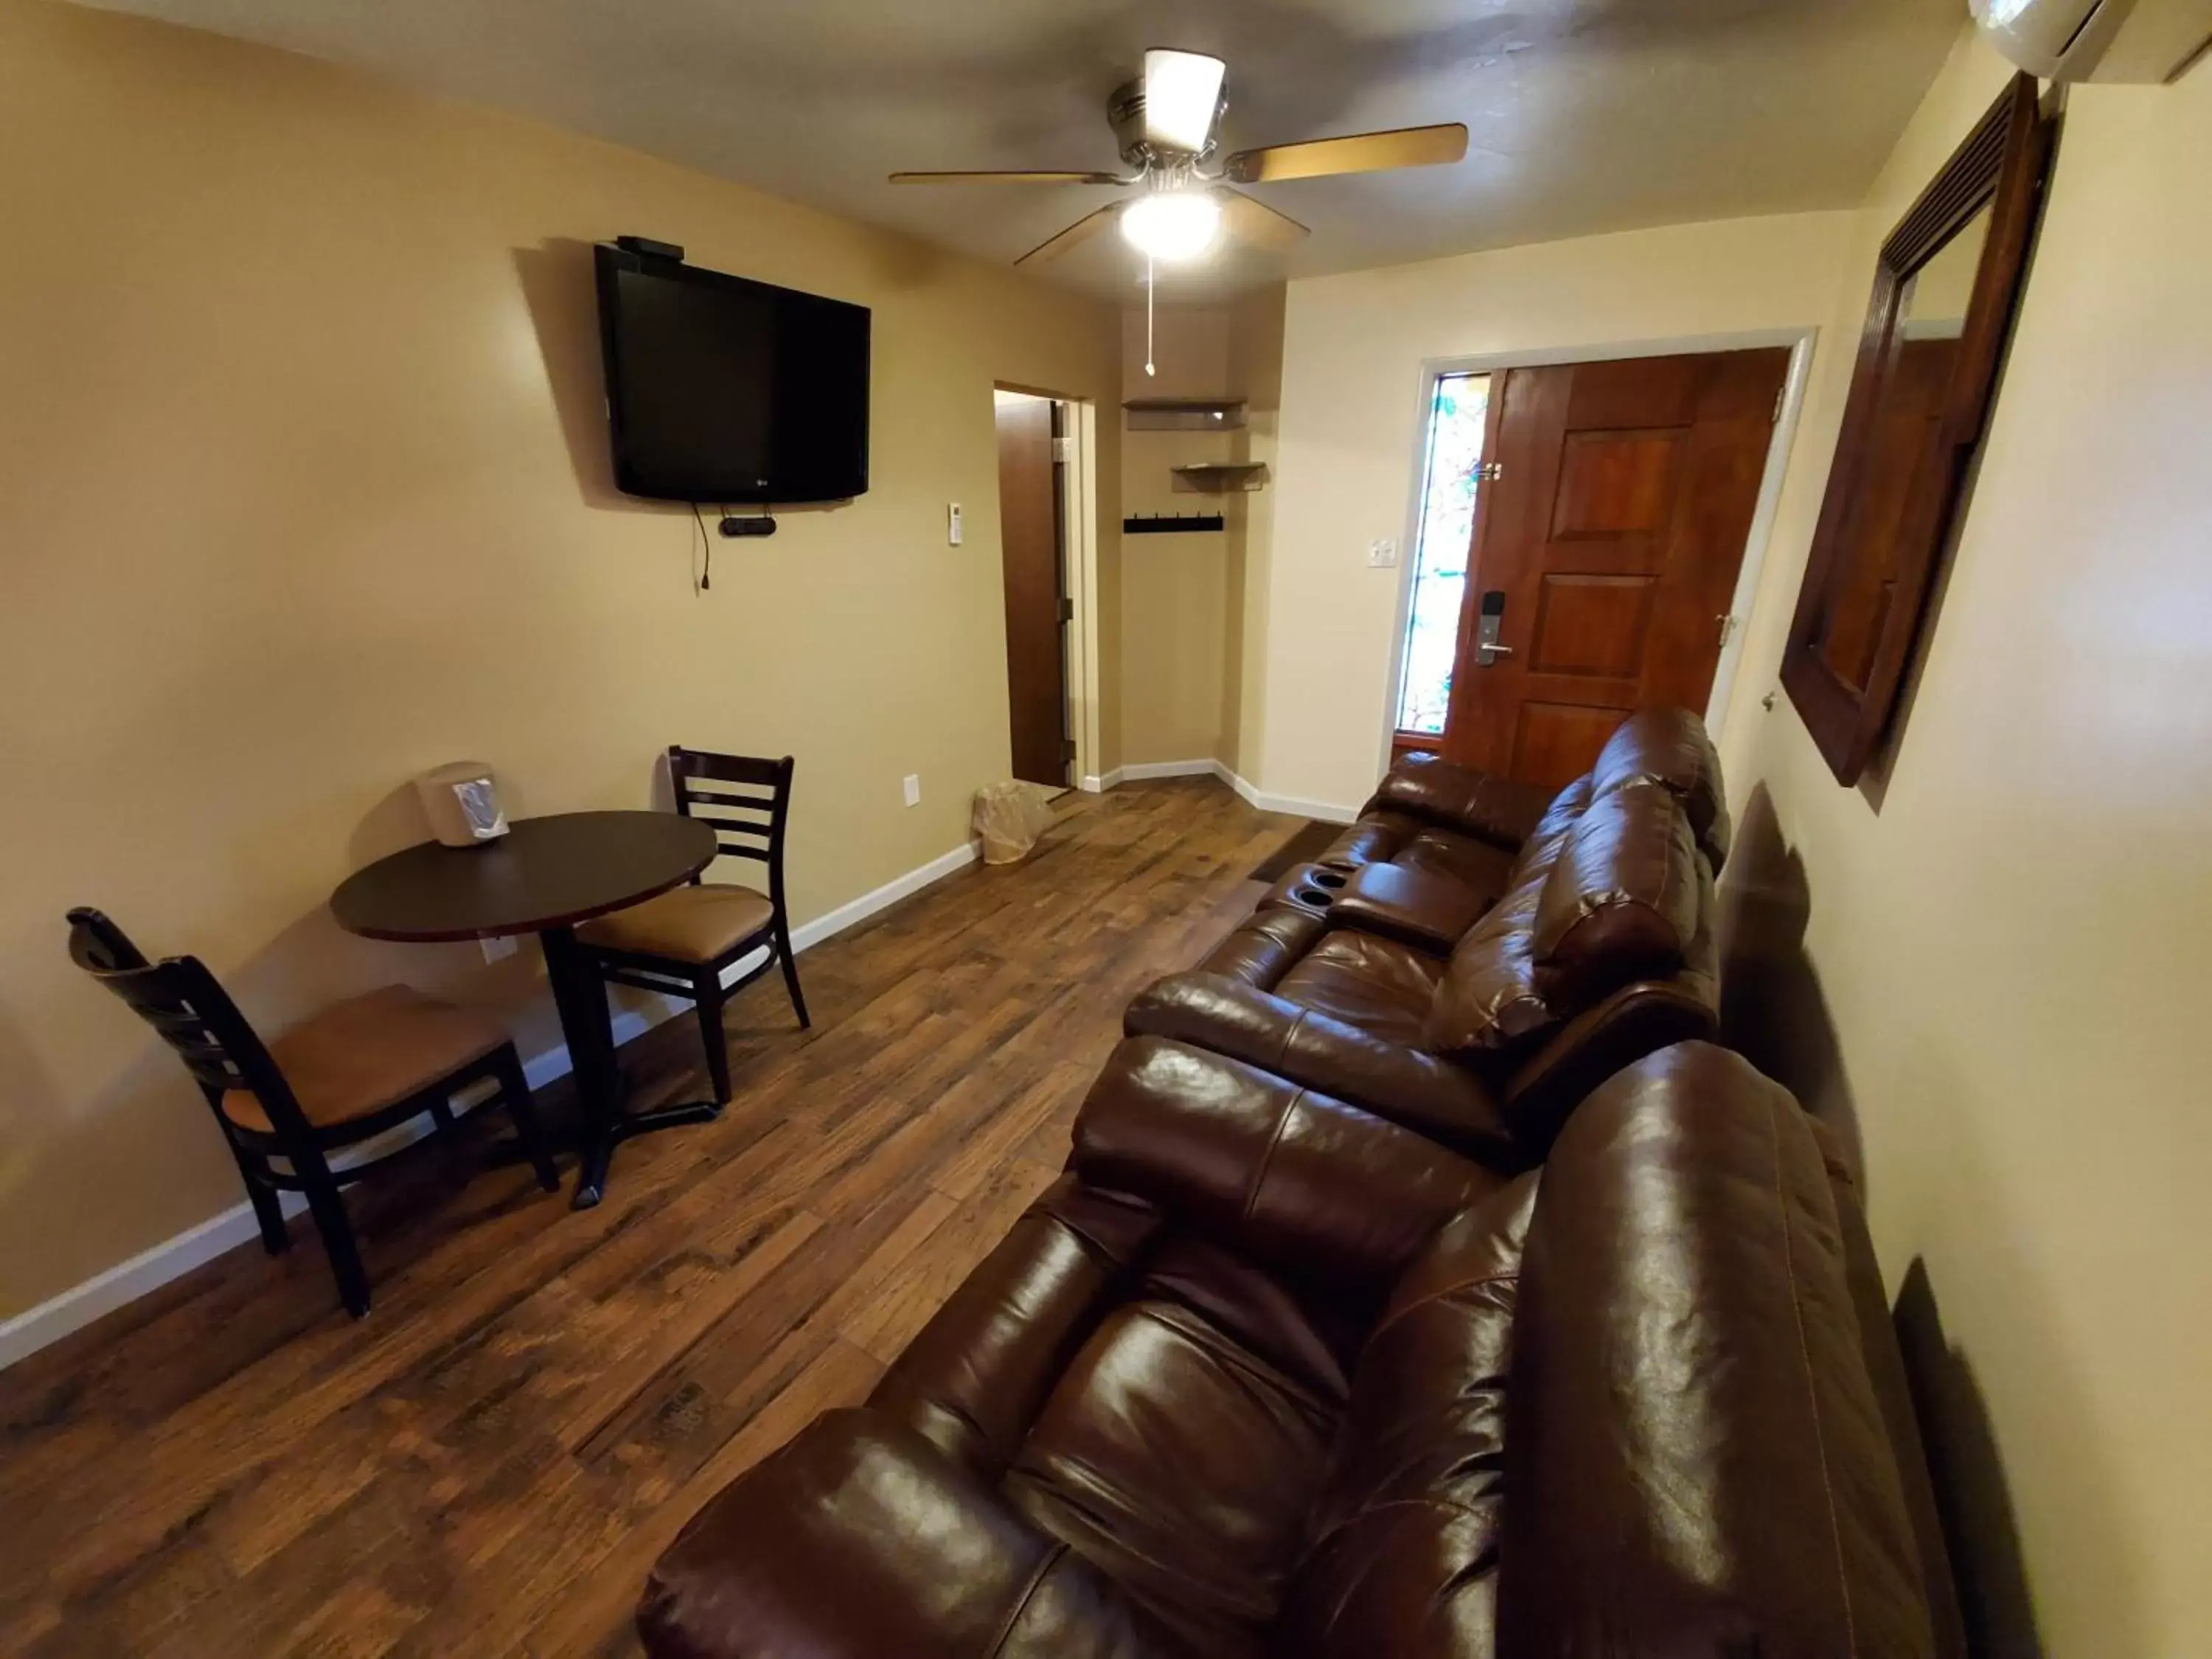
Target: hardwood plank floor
(489, 1463)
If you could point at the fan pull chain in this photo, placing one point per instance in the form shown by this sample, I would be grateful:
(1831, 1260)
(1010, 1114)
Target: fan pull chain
(1149, 370)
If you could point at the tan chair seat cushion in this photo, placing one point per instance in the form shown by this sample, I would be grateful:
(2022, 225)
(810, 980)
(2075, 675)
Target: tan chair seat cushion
(369, 1052)
(685, 924)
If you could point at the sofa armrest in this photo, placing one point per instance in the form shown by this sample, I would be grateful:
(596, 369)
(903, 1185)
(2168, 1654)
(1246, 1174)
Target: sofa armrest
(1289, 1177)
(1551, 1078)
(1495, 809)
(1418, 907)
(1425, 1093)
(1376, 835)
(1265, 945)
(860, 1538)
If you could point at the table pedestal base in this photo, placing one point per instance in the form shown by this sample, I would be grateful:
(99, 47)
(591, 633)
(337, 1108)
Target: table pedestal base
(600, 1140)
(582, 996)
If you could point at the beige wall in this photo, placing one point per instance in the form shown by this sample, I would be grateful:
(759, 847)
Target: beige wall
(2007, 952)
(1255, 368)
(1172, 663)
(1353, 350)
(303, 489)
(1184, 670)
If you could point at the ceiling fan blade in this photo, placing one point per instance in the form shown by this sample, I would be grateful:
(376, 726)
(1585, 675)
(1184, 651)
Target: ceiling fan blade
(1073, 237)
(1359, 152)
(1182, 95)
(1254, 222)
(995, 178)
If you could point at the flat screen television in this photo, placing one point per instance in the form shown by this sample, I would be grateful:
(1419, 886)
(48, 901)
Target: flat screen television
(722, 390)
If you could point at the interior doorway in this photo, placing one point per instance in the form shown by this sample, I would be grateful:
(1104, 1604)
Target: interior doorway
(1605, 509)
(1034, 452)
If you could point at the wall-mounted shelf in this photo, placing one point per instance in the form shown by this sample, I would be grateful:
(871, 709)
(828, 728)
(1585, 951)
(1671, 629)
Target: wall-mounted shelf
(1220, 478)
(1184, 414)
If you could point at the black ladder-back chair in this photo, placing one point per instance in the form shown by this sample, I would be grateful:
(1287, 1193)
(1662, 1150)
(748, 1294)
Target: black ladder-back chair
(194, 1016)
(681, 943)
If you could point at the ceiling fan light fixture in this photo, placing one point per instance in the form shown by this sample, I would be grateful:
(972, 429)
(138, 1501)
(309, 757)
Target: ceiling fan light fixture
(1172, 226)
(1182, 90)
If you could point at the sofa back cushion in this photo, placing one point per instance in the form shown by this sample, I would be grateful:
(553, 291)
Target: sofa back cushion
(1670, 746)
(1622, 900)
(1695, 1458)
(1488, 1000)
(1599, 900)
(1463, 799)
(1400, 1555)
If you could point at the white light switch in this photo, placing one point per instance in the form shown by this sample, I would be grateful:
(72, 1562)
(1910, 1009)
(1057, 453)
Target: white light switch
(913, 788)
(496, 950)
(952, 524)
(1382, 551)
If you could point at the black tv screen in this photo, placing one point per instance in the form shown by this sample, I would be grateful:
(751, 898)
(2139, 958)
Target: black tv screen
(723, 390)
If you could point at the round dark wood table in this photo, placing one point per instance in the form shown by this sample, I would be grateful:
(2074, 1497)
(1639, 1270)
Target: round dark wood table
(543, 877)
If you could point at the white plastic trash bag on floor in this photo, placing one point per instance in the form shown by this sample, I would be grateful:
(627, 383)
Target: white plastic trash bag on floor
(1010, 817)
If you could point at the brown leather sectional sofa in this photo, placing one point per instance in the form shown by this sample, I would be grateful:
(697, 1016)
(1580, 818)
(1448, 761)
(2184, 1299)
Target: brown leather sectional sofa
(1455, 821)
(1269, 1371)
(1474, 992)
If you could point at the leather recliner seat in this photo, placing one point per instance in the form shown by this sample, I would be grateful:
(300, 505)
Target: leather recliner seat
(1600, 951)
(1458, 825)
(1265, 1374)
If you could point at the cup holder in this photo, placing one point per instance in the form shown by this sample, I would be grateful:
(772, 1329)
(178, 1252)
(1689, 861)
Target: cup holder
(1328, 879)
(1314, 897)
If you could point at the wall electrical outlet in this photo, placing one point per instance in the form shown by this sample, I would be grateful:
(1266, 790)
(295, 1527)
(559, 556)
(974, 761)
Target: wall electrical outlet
(1382, 551)
(912, 785)
(496, 950)
(952, 527)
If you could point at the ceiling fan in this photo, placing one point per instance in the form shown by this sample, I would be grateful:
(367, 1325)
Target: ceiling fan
(1164, 122)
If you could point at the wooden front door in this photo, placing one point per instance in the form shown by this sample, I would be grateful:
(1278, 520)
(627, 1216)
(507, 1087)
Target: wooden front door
(1029, 548)
(1607, 549)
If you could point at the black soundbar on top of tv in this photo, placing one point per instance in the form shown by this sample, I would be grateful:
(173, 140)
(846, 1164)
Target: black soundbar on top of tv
(649, 248)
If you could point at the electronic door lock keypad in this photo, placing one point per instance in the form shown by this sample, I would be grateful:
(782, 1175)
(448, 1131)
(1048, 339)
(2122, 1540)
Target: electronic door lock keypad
(1491, 618)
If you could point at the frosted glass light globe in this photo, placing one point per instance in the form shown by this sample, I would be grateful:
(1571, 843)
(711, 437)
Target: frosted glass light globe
(1172, 225)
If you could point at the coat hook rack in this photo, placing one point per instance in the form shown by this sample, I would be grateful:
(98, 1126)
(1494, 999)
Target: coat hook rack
(1170, 523)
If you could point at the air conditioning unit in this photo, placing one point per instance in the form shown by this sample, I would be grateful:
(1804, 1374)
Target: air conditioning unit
(2122, 40)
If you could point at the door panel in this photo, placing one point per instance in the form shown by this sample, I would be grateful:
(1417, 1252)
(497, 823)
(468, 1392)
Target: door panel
(1591, 625)
(1613, 484)
(1614, 535)
(1030, 550)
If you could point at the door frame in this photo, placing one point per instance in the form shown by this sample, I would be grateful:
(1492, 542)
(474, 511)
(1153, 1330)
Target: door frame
(1079, 550)
(1801, 340)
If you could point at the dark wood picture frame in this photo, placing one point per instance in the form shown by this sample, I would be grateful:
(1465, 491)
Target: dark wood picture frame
(2001, 165)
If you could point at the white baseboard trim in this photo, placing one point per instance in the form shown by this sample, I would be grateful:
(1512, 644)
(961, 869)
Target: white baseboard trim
(1329, 812)
(1137, 771)
(853, 912)
(125, 1282)
(1094, 785)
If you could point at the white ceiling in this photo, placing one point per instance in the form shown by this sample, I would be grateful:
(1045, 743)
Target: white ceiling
(1585, 115)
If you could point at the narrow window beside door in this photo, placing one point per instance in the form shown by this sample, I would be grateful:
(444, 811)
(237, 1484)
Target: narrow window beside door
(1451, 457)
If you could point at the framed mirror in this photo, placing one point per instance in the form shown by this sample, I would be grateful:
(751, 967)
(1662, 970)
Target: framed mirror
(1945, 288)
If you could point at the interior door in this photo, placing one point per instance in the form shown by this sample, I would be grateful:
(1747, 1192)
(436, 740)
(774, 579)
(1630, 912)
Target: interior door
(1605, 555)
(1029, 549)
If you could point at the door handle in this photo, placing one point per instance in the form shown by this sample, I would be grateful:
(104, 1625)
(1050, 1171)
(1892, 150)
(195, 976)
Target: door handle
(1492, 617)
